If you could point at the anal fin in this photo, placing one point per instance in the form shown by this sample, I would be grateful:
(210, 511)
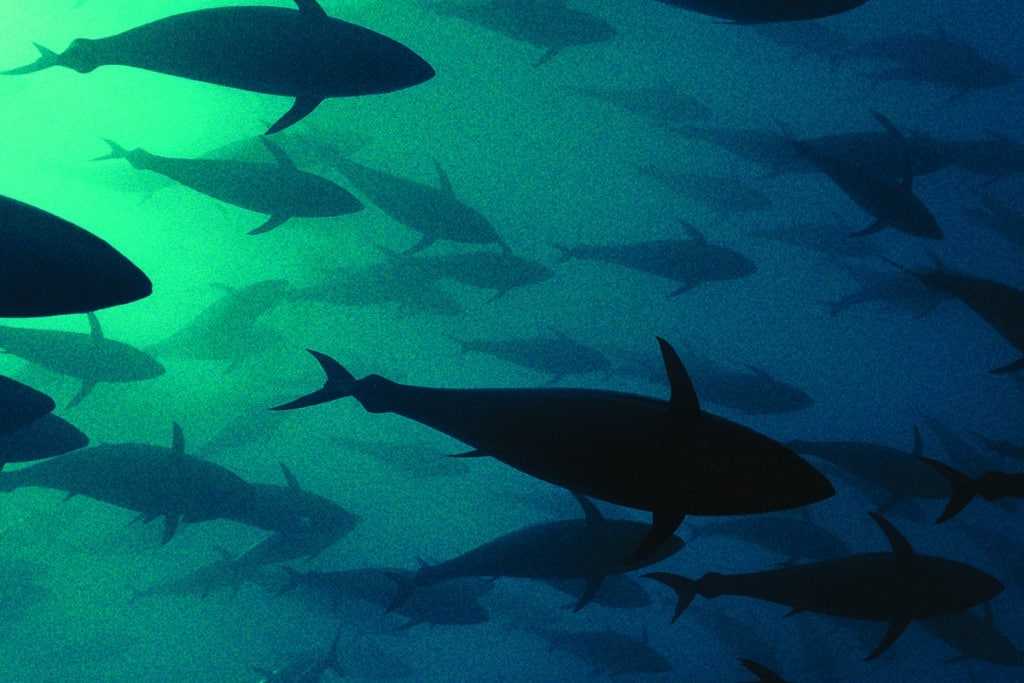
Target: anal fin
(663, 526)
(302, 106)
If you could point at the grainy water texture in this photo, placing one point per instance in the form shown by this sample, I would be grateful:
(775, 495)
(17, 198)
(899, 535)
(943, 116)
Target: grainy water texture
(603, 123)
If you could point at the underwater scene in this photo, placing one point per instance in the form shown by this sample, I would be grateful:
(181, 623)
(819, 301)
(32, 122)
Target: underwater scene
(511, 340)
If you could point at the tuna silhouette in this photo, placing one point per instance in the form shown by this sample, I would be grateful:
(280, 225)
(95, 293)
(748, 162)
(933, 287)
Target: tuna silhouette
(280, 190)
(51, 266)
(766, 11)
(897, 587)
(303, 54)
(669, 457)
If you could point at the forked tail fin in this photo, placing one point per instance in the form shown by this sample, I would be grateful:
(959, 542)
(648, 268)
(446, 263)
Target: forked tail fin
(964, 489)
(685, 588)
(339, 384)
(47, 58)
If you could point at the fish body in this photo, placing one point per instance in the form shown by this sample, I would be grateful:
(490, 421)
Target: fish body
(766, 11)
(51, 266)
(272, 50)
(669, 457)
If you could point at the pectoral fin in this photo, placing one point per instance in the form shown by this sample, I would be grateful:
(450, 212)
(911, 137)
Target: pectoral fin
(269, 224)
(302, 106)
(662, 528)
(892, 633)
(593, 585)
(1012, 367)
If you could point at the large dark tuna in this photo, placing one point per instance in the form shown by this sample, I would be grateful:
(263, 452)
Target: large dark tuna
(303, 54)
(50, 266)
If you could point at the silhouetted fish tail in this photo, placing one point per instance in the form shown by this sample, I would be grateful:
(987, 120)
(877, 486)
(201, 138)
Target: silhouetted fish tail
(47, 58)
(686, 589)
(964, 489)
(339, 384)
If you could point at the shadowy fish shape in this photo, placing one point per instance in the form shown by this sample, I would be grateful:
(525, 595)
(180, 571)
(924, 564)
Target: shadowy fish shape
(896, 587)
(154, 481)
(50, 266)
(998, 304)
(901, 290)
(664, 105)
(794, 537)
(280, 190)
(558, 356)
(900, 473)
(975, 637)
(452, 602)
(225, 329)
(91, 357)
(308, 670)
(766, 11)
(689, 262)
(43, 438)
(607, 652)
(936, 59)
(725, 196)
(669, 457)
(549, 24)
(21, 405)
(378, 284)
(304, 522)
(501, 271)
(763, 673)
(991, 485)
(589, 549)
(752, 390)
(303, 54)
(434, 212)
(891, 203)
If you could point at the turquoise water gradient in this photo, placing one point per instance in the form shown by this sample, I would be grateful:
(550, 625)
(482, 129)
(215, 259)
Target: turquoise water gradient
(546, 164)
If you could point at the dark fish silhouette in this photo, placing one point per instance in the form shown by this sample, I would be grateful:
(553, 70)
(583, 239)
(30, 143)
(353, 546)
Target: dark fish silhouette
(303, 54)
(381, 283)
(589, 549)
(452, 602)
(975, 637)
(280, 190)
(50, 266)
(901, 290)
(91, 357)
(995, 156)
(900, 473)
(549, 24)
(227, 329)
(558, 356)
(43, 438)
(607, 653)
(1003, 219)
(306, 522)
(501, 271)
(897, 587)
(435, 213)
(689, 262)
(998, 304)
(991, 485)
(766, 11)
(669, 457)
(21, 405)
(664, 105)
(154, 481)
(763, 673)
(307, 670)
(795, 538)
(891, 203)
(725, 196)
(936, 59)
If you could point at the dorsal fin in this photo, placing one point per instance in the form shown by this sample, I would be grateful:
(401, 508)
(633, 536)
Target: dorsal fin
(691, 230)
(293, 483)
(918, 448)
(590, 511)
(94, 326)
(310, 8)
(446, 183)
(177, 439)
(683, 403)
(900, 545)
(280, 155)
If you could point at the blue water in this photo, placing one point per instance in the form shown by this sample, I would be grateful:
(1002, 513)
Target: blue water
(546, 165)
